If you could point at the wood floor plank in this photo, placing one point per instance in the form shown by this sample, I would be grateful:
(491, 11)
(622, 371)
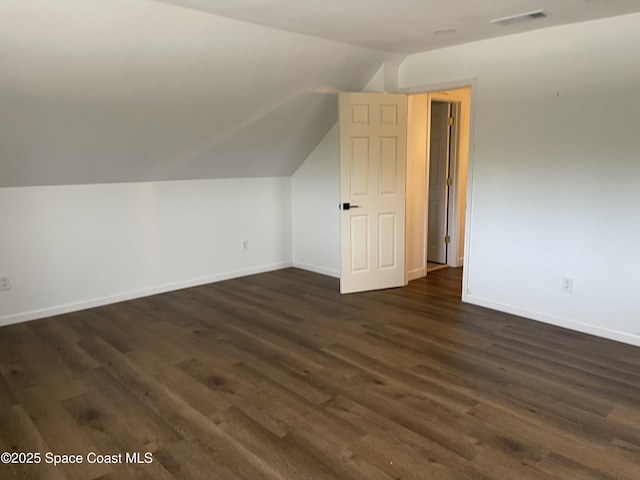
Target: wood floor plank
(384, 427)
(228, 391)
(281, 458)
(57, 336)
(61, 434)
(495, 465)
(203, 399)
(7, 397)
(185, 460)
(593, 363)
(568, 444)
(333, 454)
(151, 430)
(278, 376)
(292, 408)
(625, 415)
(403, 460)
(582, 422)
(183, 418)
(110, 435)
(568, 469)
(438, 393)
(602, 386)
(19, 434)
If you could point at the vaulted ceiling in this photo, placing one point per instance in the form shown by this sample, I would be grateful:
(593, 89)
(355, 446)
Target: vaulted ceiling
(406, 26)
(95, 91)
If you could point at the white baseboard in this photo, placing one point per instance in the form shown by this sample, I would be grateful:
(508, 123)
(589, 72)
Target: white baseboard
(315, 269)
(417, 273)
(558, 321)
(145, 292)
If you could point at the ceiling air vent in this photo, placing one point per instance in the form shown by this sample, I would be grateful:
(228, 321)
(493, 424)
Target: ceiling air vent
(521, 17)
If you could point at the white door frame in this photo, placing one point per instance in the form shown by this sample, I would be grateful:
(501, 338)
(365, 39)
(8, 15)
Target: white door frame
(434, 88)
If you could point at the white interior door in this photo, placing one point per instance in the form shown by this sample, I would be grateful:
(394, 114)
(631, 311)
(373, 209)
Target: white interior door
(373, 143)
(438, 173)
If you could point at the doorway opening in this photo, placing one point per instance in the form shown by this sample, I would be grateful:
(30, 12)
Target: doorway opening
(437, 160)
(385, 142)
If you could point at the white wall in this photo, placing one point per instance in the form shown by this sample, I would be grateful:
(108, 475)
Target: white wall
(72, 247)
(315, 192)
(555, 173)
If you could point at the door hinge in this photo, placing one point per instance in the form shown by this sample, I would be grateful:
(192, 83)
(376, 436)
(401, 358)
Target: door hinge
(447, 239)
(449, 182)
(451, 121)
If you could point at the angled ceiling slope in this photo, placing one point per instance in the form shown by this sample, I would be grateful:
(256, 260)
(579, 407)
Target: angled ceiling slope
(97, 91)
(407, 26)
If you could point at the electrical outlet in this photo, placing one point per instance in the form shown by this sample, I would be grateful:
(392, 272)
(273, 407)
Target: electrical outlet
(245, 245)
(5, 284)
(567, 284)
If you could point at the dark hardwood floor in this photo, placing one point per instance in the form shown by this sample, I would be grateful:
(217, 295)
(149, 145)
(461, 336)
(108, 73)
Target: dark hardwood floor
(278, 376)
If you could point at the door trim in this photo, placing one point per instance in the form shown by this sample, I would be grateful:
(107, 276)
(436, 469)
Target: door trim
(471, 83)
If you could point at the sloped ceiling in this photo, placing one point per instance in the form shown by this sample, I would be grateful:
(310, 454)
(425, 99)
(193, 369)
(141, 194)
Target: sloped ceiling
(95, 91)
(407, 26)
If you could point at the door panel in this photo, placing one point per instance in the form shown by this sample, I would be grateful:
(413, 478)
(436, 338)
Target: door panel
(387, 241)
(372, 180)
(360, 248)
(388, 166)
(359, 167)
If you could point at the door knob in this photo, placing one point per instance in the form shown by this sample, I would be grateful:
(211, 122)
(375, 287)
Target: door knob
(348, 206)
